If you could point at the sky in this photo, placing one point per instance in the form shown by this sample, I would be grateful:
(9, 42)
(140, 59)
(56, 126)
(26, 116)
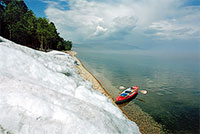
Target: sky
(140, 23)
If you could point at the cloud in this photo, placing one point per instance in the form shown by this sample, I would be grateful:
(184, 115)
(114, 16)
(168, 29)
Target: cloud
(91, 20)
(86, 20)
(100, 31)
(183, 27)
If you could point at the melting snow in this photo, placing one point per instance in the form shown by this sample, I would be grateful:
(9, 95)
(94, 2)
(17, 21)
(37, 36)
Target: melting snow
(37, 97)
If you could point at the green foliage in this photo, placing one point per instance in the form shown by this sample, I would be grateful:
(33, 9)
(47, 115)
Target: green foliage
(60, 46)
(42, 32)
(29, 24)
(19, 24)
(11, 16)
(2, 8)
(64, 45)
(53, 36)
(68, 45)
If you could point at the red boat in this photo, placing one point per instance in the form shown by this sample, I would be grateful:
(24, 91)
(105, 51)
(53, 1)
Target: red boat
(127, 94)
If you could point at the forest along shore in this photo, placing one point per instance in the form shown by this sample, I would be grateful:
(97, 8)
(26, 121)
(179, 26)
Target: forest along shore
(145, 122)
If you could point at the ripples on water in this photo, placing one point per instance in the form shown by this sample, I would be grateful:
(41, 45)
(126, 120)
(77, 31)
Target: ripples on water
(172, 84)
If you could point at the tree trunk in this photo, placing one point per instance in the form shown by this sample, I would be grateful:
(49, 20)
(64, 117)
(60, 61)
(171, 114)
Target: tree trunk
(41, 42)
(0, 26)
(45, 47)
(10, 34)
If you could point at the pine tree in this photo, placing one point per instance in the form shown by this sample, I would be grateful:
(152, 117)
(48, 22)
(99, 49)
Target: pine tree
(42, 32)
(29, 23)
(20, 25)
(1, 19)
(12, 14)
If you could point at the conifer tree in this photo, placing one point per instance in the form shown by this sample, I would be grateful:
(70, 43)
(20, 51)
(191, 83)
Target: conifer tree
(12, 14)
(42, 31)
(20, 25)
(29, 24)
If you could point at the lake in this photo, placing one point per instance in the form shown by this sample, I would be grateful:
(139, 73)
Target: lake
(171, 78)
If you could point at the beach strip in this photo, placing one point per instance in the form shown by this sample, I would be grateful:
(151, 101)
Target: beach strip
(84, 73)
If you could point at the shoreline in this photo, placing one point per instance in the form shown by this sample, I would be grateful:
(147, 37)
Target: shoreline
(84, 73)
(144, 121)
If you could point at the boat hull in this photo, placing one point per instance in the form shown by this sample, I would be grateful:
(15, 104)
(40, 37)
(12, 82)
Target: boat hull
(127, 95)
(126, 100)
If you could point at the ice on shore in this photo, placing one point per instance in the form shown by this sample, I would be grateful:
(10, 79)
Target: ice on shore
(42, 93)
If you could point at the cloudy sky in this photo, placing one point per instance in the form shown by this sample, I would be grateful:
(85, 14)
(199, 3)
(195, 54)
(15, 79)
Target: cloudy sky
(130, 22)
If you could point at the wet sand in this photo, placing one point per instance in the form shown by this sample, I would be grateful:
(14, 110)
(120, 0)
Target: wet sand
(145, 122)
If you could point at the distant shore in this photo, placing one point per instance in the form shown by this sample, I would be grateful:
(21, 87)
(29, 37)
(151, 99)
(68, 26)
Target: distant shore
(145, 122)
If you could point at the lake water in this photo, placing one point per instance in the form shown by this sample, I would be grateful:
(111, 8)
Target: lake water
(172, 81)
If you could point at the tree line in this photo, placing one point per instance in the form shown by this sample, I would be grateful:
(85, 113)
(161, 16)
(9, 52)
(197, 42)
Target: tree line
(19, 24)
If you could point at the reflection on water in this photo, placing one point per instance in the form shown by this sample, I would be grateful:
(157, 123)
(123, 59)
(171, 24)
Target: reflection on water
(172, 85)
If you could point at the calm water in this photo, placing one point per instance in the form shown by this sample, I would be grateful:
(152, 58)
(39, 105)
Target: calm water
(172, 82)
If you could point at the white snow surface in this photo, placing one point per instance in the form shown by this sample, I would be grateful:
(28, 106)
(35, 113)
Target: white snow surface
(36, 97)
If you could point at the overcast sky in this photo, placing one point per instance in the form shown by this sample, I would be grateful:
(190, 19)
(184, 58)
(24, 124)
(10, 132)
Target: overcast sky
(137, 22)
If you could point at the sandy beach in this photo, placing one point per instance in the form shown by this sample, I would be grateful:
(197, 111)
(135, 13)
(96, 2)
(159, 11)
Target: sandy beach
(84, 73)
(145, 122)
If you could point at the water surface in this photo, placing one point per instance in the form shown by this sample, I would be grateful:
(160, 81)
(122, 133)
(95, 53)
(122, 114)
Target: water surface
(171, 79)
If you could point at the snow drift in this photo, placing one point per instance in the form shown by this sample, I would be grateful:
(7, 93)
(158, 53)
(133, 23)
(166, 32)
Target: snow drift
(43, 93)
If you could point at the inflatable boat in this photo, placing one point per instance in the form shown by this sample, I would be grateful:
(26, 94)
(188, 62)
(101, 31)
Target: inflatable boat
(126, 95)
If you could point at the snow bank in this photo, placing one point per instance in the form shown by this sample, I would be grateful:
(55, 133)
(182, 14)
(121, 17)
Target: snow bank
(43, 93)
